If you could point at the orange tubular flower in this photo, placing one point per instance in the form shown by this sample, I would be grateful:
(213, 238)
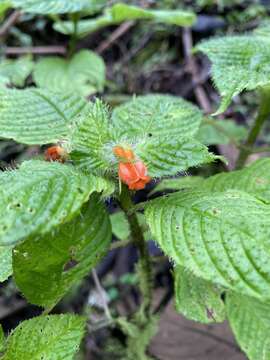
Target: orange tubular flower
(124, 154)
(134, 175)
(55, 153)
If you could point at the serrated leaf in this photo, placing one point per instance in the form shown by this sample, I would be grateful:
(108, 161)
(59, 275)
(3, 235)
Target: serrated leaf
(121, 12)
(184, 182)
(15, 71)
(46, 337)
(39, 196)
(221, 237)
(250, 322)
(5, 262)
(36, 116)
(215, 132)
(197, 299)
(238, 63)
(46, 267)
(159, 128)
(51, 6)
(254, 179)
(83, 74)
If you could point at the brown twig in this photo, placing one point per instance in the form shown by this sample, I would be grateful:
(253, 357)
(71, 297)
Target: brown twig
(35, 50)
(116, 34)
(193, 70)
(11, 20)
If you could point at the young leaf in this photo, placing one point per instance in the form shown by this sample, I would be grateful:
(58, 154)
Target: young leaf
(5, 262)
(214, 132)
(159, 128)
(239, 63)
(36, 116)
(121, 12)
(162, 129)
(15, 71)
(46, 337)
(221, 237)
(254, 179)
(45, 267)
(83, 74)
(90, 137)
(51, 6)
(41, 195)
(197, 299)
(250, 322)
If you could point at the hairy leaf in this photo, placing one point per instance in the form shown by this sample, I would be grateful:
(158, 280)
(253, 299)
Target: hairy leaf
(46, 337)
(159, 129)
(5, 262)
(121, 12)
(197, 299)
(51, 6)
(36, 116)
(250, 322)
(254, 179)
(41, 195)
(240, 63)
(83, 74)
(214, 132)
(46, 267)
(220, 237)
(15, 71)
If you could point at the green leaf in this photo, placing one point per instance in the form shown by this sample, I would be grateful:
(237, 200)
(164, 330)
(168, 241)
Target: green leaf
(15, 71)
(51, 6)
(5, 262)
(91, 137)
(215, 132)
(159, 129)
(4, 6)
(250, 322)
(180, 183)
(83, 74)
(46, 267)
(46, 337)
(254, 179)
(2, 339)
(197, 299)
(39, 196)
(36, 116)
(239, 63)
(121, 12)
(221, 237)
(120, 225)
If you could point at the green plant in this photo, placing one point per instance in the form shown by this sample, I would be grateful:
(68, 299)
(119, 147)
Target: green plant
(54, 224)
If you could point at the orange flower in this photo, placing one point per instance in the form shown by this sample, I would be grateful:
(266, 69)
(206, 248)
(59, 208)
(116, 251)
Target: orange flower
(134, 175)
(55, 153)
(124, 154)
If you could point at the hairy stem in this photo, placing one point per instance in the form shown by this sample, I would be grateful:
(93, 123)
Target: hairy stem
(263, 114)
(144, 264)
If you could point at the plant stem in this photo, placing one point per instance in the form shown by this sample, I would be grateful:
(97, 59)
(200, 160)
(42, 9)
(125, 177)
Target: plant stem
(144, 264)
(74, 37)
(263, 114)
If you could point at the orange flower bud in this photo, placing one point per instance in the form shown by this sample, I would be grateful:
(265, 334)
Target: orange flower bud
(124, 154)
(134, 175)
(55, 153)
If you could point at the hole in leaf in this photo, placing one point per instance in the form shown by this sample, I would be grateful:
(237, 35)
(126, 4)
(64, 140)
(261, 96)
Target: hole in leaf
(150, 134)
